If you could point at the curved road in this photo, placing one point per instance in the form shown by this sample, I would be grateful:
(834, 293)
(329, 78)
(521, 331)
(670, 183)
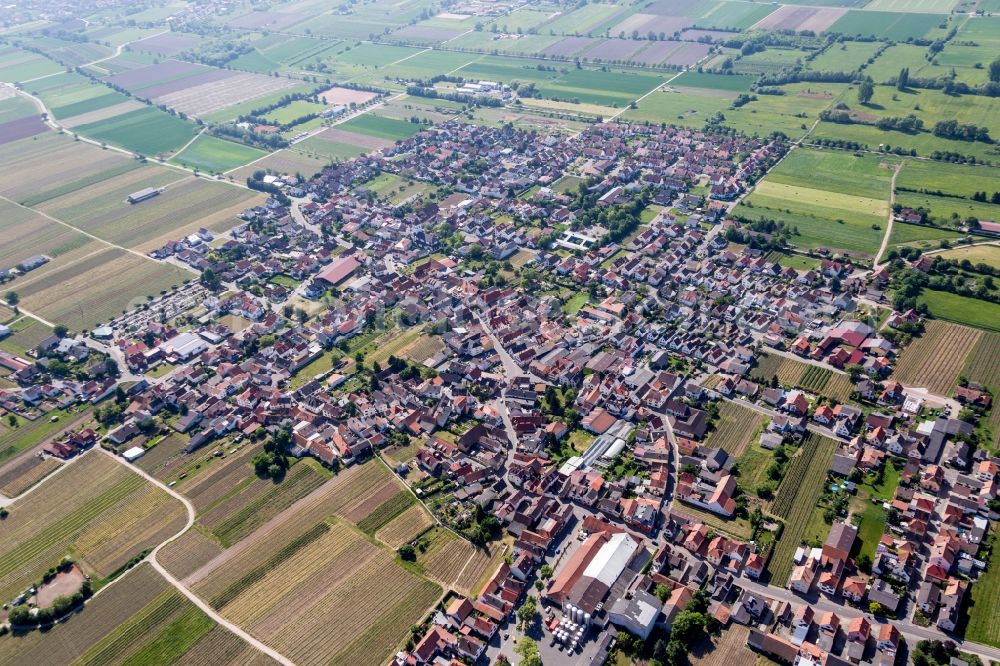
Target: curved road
(197, 601)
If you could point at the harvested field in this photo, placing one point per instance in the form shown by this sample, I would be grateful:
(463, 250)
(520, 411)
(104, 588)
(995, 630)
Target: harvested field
(346, 96)
(737, 426)
(790, 17)
(355, 138)
(15, 480)
(405, 527)
(935, 359)
(95, 290)
(101, 114)
(102, 510)
(188, 553)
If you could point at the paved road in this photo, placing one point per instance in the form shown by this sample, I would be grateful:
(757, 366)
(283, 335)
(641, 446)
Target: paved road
(912, 632)
(510, 367)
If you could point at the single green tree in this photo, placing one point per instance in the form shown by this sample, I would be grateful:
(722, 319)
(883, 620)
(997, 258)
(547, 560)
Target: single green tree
(865, 91)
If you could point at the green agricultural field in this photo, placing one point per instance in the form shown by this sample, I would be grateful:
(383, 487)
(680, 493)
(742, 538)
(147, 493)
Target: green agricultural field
(216, 155)
(15, 108)
(148, 131)
(231, 112)
(769, 60)
(927, 6)
(20, 66)
(291, 112)
(952, 179)
(944, 210)
(586, 19)
(984, 608)
(792, 113)
(844, 56)
(834, 199)
(923, 237)
(380, 127)
(429, 64)
(961, 310)
(372, 55)
(731, 82)
(887, 25)
(686, 107)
